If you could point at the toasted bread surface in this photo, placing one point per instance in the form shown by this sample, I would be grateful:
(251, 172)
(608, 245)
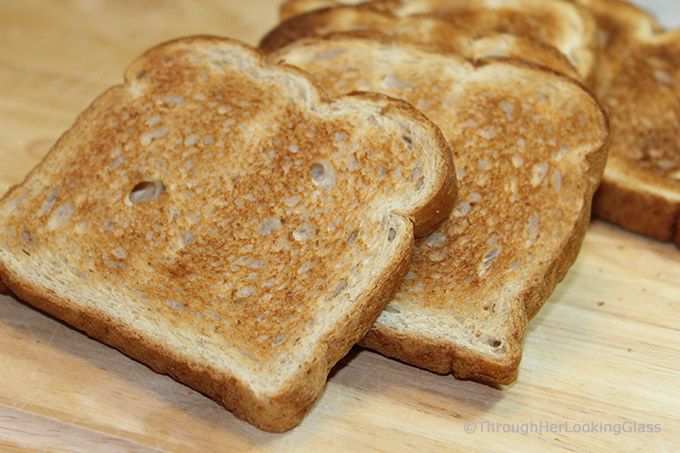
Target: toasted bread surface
(223, 221)
(442, 34)
(564, 25)
(530, 148)
(638, 82)
(291, 8)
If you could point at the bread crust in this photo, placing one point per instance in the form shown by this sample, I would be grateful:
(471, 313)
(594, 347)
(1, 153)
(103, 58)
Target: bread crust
(431, 31)
(577, 39)
(291, 8)
(298, 394)
(641, 212)
(444, 357)
(279, 414)
(428, 216)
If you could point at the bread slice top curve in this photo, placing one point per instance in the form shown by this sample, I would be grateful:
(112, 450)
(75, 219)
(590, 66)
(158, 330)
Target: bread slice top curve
(222, 220)
(638, 82)
(529, 146)
(291, 8)
(428, 30)
(565, 25)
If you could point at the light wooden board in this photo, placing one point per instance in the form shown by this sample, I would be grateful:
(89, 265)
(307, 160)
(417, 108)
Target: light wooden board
(605, 349)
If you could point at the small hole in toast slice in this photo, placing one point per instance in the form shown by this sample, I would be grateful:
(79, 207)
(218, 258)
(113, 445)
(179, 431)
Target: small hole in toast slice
(146, 191)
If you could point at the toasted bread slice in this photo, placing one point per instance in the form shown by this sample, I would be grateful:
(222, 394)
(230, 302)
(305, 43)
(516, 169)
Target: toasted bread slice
(638, 82)
(564, 25)
(223, 221)
(433, 31)
(291, 8)
(530, 148)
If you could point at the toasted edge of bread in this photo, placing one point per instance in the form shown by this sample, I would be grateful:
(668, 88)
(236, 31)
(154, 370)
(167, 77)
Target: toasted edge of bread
(322, 23)
(278, 415)
(638, 207)
(290, 8)
(580, 49)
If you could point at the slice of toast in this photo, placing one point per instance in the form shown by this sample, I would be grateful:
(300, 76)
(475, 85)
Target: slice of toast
(440, 33)
(291, 8)
(223, 221)
(565, 25)
(530, 147)
(638, 82)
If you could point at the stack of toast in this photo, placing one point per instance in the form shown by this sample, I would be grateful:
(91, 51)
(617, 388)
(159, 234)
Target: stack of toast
(413, 176)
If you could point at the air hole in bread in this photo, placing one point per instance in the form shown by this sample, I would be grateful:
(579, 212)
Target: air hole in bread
(187, 238)
(246, 291)
(490, 307)
(353, 236)
(538, 172)
(176, 305)
(279, 339)
(28, 237)
(146, 191)
(436, 239)
(120, 253)
(663, 77)
(305, 232)
(491, 256)
(316, 171)
(307, 265)
(493, 342)
(60, 216)
(391, 234)
(269, 225)
(323, 174)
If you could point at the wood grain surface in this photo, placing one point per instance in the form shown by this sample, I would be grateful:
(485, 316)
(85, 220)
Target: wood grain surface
(603, 355)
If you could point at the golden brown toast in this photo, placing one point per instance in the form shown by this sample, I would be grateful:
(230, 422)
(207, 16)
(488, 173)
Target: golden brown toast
(224, 221)
(638, 82)
(291, 8)
(434, 31)
(562, 24)
(530, 147)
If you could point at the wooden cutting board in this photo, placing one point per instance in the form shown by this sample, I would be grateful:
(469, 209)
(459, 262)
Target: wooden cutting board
(604, 353)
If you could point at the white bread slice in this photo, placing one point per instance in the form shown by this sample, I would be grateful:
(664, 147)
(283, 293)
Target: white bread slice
(638, 82)
(441, 33)
(563, 24)
(223, 221)
(530, 147)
